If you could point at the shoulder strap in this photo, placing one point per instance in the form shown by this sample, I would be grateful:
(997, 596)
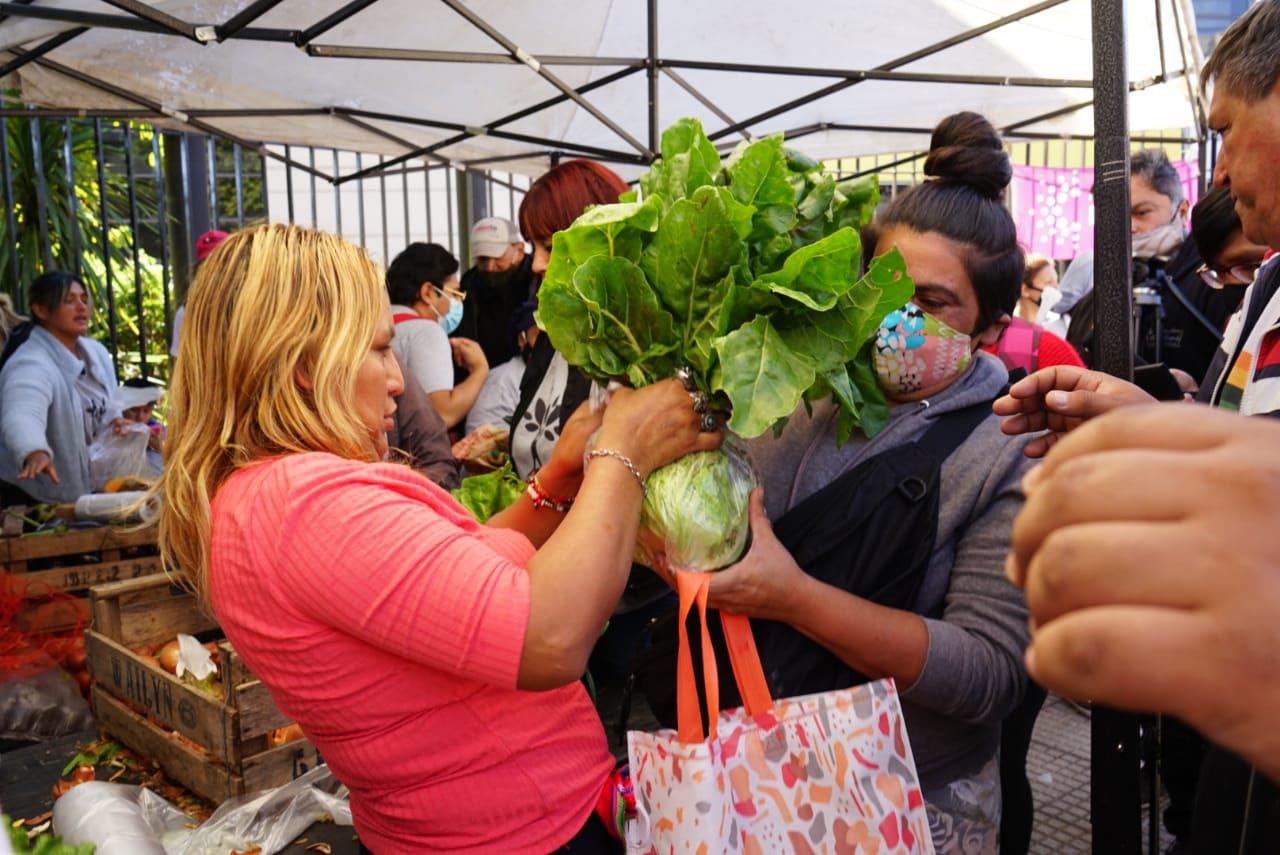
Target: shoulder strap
(951, 429)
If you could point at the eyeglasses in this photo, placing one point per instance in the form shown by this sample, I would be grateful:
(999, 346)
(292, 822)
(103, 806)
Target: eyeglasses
(1240, 274)
(455, 293)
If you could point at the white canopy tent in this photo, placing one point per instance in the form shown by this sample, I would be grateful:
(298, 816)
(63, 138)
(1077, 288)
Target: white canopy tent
(489, 81)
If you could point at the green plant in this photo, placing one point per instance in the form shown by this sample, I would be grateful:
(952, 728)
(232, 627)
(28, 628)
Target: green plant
(75, 204)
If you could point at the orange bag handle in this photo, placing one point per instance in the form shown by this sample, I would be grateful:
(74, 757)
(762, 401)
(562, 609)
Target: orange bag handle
(743, 656)
(747, 670)
(692, 588)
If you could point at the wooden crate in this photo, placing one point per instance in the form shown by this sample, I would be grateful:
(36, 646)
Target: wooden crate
(138, 703)
(85, 557)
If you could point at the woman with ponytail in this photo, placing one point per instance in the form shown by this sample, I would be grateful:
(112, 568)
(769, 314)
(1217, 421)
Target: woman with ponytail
(884, 557)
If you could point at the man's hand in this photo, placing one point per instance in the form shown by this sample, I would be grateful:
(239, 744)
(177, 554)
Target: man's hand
(1152, 572)
(1059, 399)
(36, 464)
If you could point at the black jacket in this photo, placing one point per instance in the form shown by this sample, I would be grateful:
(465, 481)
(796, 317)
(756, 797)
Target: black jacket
(487, 311)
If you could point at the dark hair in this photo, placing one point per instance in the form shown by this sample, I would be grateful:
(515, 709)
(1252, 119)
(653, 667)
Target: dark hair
(139, 383)
(1213, 220)
(558, 198)
(1246, 61)
(417, 264)
(964, 202)
(1153, 165)
(48, 290)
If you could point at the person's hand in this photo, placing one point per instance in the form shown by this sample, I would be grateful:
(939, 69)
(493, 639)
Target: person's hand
(764, 584)
(36, 464)
(654, 425)
(469, 355)
(1059, 399)
(1151, 573)
(156, 439)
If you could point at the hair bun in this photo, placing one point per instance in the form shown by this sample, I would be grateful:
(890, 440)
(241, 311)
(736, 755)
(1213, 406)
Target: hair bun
(965, 148)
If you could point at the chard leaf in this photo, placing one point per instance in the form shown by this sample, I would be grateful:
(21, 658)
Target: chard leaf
(617, 230)
(817, 201)
(874, 414)
(887, 283)
(758, 175)
(691, 259)
(818, 274)
(485, 495)
(855, 201)
(689, 161)
(762, 377)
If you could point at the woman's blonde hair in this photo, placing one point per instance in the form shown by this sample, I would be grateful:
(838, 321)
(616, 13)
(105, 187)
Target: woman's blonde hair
(278, 321)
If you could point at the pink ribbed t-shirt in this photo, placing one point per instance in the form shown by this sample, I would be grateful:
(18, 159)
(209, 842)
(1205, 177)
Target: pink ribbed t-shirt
(389, 624)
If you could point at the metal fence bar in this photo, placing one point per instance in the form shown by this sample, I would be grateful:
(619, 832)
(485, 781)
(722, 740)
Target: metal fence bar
(448, 195)
(315, 214)
(73, 202)
(105, 209)
(288, 182)
(360, 202)
(337, 197)
(404, 197)
(162, 232)
(212, 155)
(137, 261)
(11, 220)
(237, 161)
(382, 192)
(42, 192)
(427, 196)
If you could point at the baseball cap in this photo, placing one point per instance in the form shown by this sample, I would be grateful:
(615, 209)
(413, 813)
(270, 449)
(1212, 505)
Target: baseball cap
(208, 242)
(493, 236)
(136, 393)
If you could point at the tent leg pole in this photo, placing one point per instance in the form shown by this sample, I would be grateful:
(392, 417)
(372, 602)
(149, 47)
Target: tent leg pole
(1114, 793)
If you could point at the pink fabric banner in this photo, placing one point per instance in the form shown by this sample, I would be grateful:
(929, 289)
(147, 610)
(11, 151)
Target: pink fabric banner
(1053, 206)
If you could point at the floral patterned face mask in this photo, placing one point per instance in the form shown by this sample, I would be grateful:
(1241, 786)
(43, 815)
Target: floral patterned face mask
(914, 351)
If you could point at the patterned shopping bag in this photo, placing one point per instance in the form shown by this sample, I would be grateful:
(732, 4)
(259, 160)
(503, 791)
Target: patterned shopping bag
(825, 773)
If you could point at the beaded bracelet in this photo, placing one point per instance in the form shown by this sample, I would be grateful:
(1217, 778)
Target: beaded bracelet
(618, 456)
(542, 499)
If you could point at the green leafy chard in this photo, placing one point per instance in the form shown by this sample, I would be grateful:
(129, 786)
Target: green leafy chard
(747, 274)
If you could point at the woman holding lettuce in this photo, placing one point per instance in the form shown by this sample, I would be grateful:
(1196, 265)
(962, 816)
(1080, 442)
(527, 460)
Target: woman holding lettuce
(433, 661)
(904, 588)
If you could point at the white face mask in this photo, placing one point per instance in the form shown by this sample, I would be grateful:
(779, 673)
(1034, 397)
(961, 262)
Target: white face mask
(1050, 296)
(1162, 240)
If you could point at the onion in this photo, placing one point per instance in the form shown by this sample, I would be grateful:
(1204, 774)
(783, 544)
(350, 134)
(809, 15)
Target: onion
(168, 657)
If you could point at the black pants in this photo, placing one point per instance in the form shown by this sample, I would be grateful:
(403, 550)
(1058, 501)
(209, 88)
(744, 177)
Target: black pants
(592, 839)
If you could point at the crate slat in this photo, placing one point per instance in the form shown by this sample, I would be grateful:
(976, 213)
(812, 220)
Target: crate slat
(74, 542)
(86, 576)
(192, 769)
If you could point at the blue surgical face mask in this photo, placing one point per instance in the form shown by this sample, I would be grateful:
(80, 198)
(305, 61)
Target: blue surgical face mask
(450, 319)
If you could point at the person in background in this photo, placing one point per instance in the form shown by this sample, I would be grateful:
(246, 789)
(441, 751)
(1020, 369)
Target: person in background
(1040, 295)
(427, 306)
(420, 435)
(499, 283)
(9, 319)
(1193, 315)
(205, 244)
(435, 662)
(1231, 260)
(58, 388)
(551, 388)
(496, 403)
(137, 398)
(1190, 629)
(952, 636)
(1025, 344)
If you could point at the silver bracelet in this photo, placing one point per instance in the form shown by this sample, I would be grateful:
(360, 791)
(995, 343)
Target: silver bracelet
(618, 456)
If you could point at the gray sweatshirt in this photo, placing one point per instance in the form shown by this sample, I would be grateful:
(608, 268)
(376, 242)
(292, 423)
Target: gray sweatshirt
(973, 676)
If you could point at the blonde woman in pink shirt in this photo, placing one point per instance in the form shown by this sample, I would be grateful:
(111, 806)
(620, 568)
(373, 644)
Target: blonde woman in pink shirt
(434, 661)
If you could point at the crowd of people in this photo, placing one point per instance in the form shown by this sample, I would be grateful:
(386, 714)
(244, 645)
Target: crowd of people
(1129, 567)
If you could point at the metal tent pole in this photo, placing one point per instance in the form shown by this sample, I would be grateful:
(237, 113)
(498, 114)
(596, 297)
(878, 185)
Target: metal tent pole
(1114, 792)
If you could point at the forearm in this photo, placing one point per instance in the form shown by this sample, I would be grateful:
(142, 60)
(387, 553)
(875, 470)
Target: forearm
(876, 640)
(578, 575)
(539, 524)
(454, 404)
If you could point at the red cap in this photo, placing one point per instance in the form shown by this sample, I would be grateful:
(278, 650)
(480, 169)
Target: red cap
(208, 242)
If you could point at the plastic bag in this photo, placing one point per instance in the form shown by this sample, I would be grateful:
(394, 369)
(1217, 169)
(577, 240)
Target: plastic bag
(41, 702)
(120, 454)
(694, 515)
(123, 820)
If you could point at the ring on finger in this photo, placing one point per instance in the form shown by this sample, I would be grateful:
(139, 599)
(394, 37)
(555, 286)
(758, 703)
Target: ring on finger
(699, 402)
(708, 424)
